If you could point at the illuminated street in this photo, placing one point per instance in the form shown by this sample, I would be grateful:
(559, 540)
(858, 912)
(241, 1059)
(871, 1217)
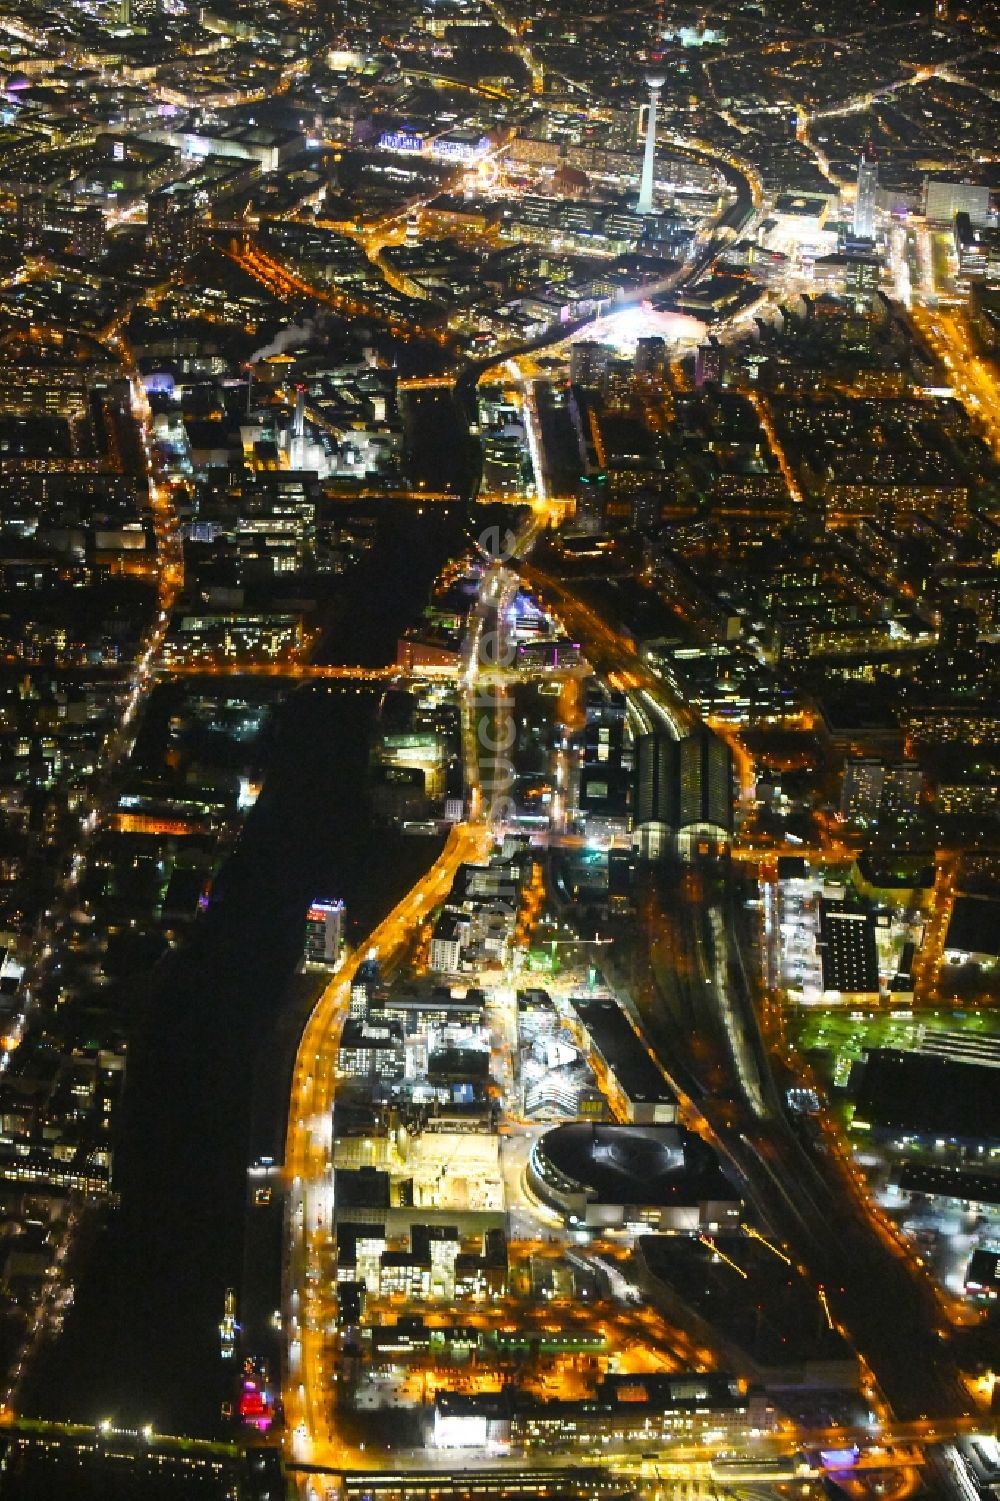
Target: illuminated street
(500, 776)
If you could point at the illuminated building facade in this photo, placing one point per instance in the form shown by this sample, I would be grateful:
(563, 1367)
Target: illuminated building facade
(864, 201)
(324, 932)
(647, 203)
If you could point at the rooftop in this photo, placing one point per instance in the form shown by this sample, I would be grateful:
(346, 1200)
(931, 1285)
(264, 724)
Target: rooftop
(652, 1165)
(920, 1094)
(622, 1050)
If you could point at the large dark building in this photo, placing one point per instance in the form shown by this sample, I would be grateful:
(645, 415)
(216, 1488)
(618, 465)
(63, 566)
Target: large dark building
(847, 950)
(172, 224)
(609, 1176)
(921, 1095)
(604, 780)
(632, 1079)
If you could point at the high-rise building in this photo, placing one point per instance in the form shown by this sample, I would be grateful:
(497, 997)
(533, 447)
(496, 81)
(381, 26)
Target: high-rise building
(944, 198)
(604, 780)
(861, 276)
(503, 461)
(89, 234)
(650, 359)
(647, 202)
(588, 363)
(941, 10)
(954, 666)
(864, 201)
(172, 224)
(618, 388)
(872, 790)
(959, 633)
(324, 932)
(901, 790)
(709, 363)
(621, 879)
(30, 217)
(861, 789)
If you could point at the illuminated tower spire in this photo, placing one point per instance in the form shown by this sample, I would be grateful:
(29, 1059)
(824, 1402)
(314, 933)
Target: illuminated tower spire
(864, 200)
(655, 79)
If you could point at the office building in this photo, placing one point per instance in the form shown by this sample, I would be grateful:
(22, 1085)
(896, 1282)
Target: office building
(504, 455)
(588, 364)
(862, 274)
(977, 248)
(324, 932)
(647, 201)
(423, 751)
(944, 199)
(632, 1081)
(848, 953)
(604, 779)
(172, 224)
(371, 1052)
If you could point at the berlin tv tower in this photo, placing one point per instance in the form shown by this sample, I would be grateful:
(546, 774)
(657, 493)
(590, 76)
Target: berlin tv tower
(655, 79)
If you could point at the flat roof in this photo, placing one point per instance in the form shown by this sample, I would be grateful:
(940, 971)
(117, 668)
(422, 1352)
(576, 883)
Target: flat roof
(847, 949)
(896, 872)
(924, 1095)
(974, 927)
(984, 1269)
(623, 1050)
(949, 1183)
(682, 1391)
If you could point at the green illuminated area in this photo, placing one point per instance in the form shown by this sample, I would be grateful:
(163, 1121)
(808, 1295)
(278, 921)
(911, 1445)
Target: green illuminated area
(835, 1040)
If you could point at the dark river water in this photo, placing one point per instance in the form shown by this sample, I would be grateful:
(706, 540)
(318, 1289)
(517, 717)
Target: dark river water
(142, 1342)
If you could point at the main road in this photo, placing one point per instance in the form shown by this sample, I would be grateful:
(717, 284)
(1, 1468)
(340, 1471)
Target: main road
(309, 1394)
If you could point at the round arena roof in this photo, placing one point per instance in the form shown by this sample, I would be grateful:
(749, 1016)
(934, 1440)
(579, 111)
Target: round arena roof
(626, 1164)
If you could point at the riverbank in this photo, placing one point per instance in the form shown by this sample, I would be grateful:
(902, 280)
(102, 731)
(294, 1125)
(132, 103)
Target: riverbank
(141, 1343)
